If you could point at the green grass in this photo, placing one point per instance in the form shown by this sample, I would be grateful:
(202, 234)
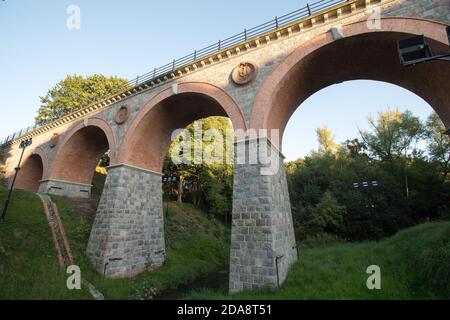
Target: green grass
(196, 246)
(28, 264)
(415, 264)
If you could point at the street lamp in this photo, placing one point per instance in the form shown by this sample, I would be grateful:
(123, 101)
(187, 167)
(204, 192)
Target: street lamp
(415, 50)
(23, 145)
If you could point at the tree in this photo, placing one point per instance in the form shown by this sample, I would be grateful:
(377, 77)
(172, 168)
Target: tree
(393, 136)
(328, 216)
(210, 184)
(76, 92)
(326, 141)
(438, 143)
(363, 183)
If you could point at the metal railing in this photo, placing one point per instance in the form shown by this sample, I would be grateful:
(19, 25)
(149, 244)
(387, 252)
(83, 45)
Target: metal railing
(221, 45)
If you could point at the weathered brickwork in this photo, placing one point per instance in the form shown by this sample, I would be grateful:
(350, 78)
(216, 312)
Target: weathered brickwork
(128, 233)
(262, 238)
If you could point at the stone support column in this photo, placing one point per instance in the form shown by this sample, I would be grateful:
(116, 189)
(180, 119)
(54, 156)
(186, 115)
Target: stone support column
(127, 237)
(263, 243)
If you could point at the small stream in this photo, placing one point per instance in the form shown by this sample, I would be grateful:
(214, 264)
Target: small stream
(213, 281)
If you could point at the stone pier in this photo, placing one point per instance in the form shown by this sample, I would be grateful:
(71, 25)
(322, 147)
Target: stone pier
(128, 233)
(263, 244)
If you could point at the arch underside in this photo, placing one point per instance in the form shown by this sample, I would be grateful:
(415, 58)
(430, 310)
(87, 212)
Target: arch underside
(366, 56)
(78, 157)
(154, 134)
(150, 135)
(31, 173)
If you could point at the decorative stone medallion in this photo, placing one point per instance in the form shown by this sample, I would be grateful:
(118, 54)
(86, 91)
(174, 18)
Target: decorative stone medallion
(244, 73)
(54, 140)
(122, 115)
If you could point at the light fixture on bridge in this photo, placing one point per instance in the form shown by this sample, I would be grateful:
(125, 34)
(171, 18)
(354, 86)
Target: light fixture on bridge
(415, 50)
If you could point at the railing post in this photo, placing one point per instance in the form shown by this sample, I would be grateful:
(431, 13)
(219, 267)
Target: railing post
(195, 55)
(309, 9)
(245, 34)
(154, 73)
(173, 64)
(137, 80)
(276, 23)
(220, 45)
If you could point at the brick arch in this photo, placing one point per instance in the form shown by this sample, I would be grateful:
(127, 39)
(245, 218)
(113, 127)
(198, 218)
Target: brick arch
(34, 169)
(43, 155)
(149, 136)
(80, 150)
(362, 54)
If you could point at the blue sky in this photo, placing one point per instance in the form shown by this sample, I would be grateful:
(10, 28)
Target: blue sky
(128, 38)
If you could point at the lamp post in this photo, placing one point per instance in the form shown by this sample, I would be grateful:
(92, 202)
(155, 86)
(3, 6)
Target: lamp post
(23, 145)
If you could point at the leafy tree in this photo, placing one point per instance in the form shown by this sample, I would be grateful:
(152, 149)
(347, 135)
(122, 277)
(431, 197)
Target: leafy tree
(325, 201)
(438, 143)
(209, 184)
(328, 216)
(76, 92)
(326, 140)
(393, 135)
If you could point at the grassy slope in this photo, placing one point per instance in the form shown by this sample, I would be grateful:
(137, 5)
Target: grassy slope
(28, 262)
(196, 246)
(415, 264)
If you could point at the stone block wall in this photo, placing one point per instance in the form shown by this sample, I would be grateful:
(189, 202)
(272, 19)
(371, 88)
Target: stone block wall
(128, 233)
(438, 10)
(65, 189)
(262, 238)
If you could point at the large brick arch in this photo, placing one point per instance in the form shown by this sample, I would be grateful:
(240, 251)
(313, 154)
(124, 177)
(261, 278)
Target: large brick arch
(80, 150)
(363, 53)
(149, 136)
(34, 168)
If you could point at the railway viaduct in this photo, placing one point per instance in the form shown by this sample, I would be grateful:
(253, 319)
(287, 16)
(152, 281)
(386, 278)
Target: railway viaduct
(257, 81)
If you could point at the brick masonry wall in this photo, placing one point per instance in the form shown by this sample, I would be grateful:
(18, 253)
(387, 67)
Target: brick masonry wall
(129, 224)
(262, 227)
